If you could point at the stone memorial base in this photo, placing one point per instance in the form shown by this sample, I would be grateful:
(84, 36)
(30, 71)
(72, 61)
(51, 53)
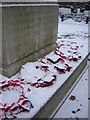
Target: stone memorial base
(29, 32)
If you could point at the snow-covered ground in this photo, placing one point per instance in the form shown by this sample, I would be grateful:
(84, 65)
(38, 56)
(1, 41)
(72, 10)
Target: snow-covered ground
(76, 105)
(77, 108)
(65, 10)
(38, 81)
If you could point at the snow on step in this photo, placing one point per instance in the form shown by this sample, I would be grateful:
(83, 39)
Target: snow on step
(17, 90)
(34, 71)
(31, 73)
(48, 78)
(53, 57)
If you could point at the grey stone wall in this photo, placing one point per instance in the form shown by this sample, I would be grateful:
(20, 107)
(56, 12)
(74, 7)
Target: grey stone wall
(28, 33)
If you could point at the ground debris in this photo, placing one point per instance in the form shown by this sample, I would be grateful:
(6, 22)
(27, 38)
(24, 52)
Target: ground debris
(73, 112)
(72, 98)
(78, 110)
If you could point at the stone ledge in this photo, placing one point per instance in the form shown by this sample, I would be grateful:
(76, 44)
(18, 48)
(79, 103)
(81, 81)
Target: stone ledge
(55, 100)
(27, 1)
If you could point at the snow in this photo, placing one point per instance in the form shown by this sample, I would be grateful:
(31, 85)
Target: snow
(40, 96)
(80, 105)
(31, 72)
(48, 78)
(60, 66)
(65, 10)
(53, 57)
(9, 96)
(21, 5)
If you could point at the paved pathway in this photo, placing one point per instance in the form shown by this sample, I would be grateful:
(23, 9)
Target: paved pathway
(76, 105)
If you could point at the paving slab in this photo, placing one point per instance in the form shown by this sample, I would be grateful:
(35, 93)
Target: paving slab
(77, 107)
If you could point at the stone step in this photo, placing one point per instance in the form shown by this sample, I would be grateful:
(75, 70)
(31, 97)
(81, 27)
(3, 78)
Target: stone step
(52, 104)
(67, 105)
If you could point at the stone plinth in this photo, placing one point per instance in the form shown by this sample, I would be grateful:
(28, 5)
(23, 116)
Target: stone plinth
(29, 32)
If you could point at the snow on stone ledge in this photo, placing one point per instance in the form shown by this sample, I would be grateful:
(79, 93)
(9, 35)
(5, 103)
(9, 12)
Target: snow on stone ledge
(39, 96)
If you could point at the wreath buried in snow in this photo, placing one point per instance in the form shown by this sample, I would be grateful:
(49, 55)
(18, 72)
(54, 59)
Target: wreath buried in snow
(43, 74)
(18, 102)
(57, 60)
(40, 78)
(44, 82)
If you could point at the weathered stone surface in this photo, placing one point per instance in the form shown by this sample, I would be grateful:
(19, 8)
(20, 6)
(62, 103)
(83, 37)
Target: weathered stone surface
(0, 40)
(18, 1)
(26, 30)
